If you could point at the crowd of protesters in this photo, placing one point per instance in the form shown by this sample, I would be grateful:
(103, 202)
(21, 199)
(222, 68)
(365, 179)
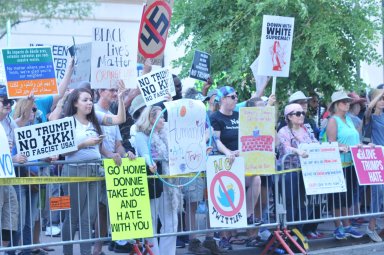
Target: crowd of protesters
(115, 123)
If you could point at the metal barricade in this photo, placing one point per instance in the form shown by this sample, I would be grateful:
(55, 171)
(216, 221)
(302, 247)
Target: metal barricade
(63, 203)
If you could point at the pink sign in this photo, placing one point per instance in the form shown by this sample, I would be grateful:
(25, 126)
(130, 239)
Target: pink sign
(369, 165)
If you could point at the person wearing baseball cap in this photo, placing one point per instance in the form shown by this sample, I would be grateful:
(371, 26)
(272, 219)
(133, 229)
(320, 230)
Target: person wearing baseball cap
(341, 129)
(300, 98)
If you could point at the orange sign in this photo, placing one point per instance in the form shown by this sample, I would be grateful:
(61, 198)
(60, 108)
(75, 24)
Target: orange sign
(59, 203)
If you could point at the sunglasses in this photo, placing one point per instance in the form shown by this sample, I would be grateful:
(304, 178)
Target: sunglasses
(7, 101)
(297, 114)
(233, 96)
(34, 109)
(345, 101)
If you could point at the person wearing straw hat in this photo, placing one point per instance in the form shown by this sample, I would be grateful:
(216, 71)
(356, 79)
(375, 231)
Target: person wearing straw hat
(341, 129)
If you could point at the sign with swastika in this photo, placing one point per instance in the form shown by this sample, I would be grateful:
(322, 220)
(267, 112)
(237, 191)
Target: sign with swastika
(154, 26)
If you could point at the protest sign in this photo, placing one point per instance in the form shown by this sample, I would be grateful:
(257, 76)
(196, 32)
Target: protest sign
(369, 164)
(257, 139)
(201, 66)
(154, 25)
(156, 85)
(59, 203)
(29, 69)
(113, 58)
(186, 139)
(226, 192)
(6, 163)
(46, 139)
(61, 57)
(276, 46)
(322, 169)
(128, 199)
(260, 80)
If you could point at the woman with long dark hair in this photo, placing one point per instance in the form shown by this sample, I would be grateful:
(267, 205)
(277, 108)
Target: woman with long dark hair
(88, 137)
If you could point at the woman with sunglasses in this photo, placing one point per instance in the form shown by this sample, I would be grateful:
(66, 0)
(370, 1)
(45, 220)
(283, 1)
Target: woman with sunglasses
(225, 123)
(374, 116)
(340, 129)
(290, 137)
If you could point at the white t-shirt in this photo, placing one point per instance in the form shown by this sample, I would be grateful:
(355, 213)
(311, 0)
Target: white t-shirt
(83, 132)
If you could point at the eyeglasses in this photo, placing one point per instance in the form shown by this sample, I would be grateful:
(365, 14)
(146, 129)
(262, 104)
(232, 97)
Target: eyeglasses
(297, 114)
(232, 96)
(7, 101)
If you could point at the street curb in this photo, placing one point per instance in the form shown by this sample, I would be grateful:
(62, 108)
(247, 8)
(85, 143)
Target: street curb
(351, 250)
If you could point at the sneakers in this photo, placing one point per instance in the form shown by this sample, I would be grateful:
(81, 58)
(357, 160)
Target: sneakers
(195, 247)
(373, 235)
(52, 231)
(224, 244)
(254, 221)
(179, 243)
(211, 245)
(311, 235)
(349, 231)
(339, 233)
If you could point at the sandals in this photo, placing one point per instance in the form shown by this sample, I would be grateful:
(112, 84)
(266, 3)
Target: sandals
(236, 241)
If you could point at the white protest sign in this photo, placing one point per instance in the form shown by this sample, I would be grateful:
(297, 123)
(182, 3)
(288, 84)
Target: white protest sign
(6, 164)
(186, 138)
(46, 139)
(322, 169)
(226, 192)
(276, 46)
(113, 56)
(156, 85)
(260, 80)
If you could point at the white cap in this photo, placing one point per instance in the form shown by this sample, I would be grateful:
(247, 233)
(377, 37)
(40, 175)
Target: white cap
(298, 95)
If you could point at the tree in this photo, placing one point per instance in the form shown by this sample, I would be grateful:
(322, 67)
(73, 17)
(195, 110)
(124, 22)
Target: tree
(330, 39)
(28, 10)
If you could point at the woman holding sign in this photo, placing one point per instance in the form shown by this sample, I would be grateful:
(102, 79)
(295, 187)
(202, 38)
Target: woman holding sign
(164, 203)
(341, 129)
(374, 118)
(88, 137)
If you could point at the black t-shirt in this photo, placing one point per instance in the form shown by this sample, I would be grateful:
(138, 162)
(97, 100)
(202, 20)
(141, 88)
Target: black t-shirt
(228, 127)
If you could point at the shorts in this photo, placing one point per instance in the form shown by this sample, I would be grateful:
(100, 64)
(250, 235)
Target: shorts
(9, 208)
(195, 191)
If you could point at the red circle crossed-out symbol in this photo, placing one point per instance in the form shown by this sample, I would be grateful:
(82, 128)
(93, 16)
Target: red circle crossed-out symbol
(145, 21)
(219, 178)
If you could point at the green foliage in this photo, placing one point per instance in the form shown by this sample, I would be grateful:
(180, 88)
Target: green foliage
(330, 39)
(18, 11)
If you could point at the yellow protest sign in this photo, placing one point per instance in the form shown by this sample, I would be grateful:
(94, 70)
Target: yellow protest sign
(257, 139)
(128, 198)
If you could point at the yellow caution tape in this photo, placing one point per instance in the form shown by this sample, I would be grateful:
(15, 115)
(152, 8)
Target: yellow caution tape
(46, 180)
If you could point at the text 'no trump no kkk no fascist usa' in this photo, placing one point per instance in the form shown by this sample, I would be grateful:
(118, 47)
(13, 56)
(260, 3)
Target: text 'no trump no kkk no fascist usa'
(128, 199)
(46, 139)
(226, 192)
(156, 85)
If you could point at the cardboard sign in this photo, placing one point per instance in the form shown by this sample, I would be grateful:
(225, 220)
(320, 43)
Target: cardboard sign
(154, 25)
(186, 139)
(257, 139)
(6, 165)
(276, 46)
(61, 57)
(226, 192)
(201, 66)
(369, 164)
(29, 69)
(59, 203)
(128, 199)
(322, 170)
(156, 85)
(113, 58)
(46, 139)
(260, 80)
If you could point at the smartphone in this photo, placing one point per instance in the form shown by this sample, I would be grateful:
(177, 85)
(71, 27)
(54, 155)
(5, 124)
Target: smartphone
(101, 136)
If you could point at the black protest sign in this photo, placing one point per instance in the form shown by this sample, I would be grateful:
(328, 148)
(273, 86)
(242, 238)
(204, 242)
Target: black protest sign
(201, 66)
